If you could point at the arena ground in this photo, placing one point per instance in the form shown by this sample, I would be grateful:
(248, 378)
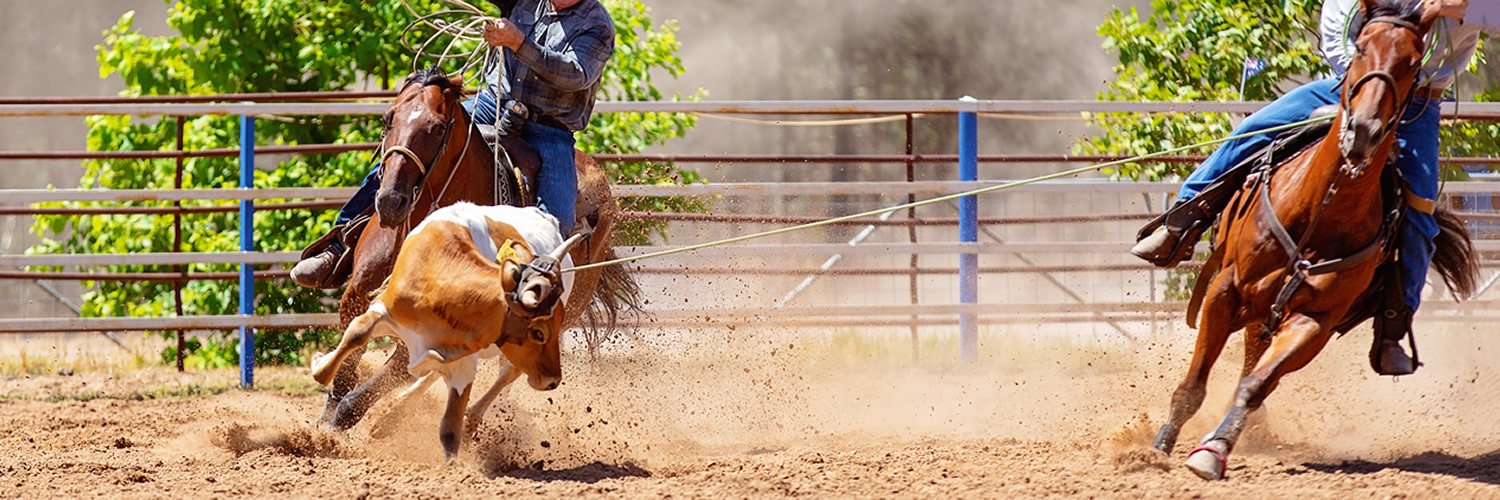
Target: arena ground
(774, 414)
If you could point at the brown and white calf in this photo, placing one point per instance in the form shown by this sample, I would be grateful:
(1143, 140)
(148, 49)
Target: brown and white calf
(470, 282)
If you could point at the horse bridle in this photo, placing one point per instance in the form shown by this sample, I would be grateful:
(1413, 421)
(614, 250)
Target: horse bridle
(1389, 127)
(422, 167)
(1298, 269)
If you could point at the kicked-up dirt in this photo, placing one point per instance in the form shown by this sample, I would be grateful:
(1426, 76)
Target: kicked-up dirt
(772, 417)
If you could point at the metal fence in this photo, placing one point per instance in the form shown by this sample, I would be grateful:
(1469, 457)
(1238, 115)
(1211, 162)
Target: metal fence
(967, 246)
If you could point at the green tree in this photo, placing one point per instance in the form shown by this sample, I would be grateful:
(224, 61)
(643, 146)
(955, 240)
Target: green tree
(284, 46)
(1194, 51)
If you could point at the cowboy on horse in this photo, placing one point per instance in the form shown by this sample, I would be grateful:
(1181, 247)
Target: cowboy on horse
(1202, 198)
(555, 53)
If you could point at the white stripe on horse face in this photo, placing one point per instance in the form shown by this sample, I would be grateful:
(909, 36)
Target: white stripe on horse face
(411, 118)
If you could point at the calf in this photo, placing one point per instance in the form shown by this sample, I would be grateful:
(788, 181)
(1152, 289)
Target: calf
(470, 282)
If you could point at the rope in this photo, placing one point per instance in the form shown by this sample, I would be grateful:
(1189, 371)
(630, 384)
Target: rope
(1094, 117)
(809, 123)
(468, 28)
(940, 199)
(896, 118)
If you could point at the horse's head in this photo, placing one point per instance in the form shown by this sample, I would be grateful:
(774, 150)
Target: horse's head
(1382, 74)
(417, 130)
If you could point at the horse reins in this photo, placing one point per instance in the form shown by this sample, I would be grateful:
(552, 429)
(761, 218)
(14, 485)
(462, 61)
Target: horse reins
(1389, 127)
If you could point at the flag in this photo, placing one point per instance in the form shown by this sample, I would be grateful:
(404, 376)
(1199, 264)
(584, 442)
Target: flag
(1252, 66)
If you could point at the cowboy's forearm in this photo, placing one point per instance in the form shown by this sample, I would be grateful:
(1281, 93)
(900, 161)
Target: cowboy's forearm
(1452, 9)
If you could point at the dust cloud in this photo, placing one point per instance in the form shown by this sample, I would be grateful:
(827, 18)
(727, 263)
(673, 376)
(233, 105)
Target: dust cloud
(675, 399)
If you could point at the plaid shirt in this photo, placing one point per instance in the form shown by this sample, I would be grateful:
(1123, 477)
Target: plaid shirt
(557, 70)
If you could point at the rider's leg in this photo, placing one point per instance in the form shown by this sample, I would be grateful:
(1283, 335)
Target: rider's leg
(363, 198)
(557, 183)
(1292, 107)
(1161, 248)
(482, 107)
(1418, 162)
(313, 271)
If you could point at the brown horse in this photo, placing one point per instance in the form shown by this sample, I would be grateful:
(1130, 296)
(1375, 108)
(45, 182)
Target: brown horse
(1301, 246)
(432, 157)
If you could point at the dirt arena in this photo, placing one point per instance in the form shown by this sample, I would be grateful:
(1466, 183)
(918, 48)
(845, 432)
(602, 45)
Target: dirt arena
(770, 414)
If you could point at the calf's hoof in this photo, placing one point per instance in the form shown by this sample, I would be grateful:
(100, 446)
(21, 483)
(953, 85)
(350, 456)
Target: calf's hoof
(1207, 460)
(322, 369)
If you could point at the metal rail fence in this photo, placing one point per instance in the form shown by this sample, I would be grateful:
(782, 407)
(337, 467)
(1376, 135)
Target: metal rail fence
(969, 311)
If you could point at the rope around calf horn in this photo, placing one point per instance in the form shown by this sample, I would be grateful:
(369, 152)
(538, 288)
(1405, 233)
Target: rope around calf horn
(939, 199)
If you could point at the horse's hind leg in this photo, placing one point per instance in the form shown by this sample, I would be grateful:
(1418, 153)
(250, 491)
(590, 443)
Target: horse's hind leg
(1213, 331)
(1257, 340)
(1301, 338)
(391, 375)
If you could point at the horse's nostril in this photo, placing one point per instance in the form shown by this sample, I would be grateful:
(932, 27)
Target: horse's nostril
(552, 386)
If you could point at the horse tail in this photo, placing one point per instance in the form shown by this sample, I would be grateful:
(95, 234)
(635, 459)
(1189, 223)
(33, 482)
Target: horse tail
(1454, 257)
(618, 294)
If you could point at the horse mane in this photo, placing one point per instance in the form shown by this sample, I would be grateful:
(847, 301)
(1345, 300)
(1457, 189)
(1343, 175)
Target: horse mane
(432, 75)
(1405, 10)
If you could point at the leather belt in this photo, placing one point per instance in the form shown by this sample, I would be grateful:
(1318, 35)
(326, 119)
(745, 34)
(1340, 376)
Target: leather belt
(1430, 93)
(551, 122)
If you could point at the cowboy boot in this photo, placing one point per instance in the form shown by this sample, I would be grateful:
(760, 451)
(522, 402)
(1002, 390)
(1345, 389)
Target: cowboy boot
(1386, 356)
(1181, 227)
(328, 261)
(318, 264)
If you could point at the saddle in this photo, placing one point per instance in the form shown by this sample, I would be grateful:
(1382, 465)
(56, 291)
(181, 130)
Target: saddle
(515, 160)
(516, 166)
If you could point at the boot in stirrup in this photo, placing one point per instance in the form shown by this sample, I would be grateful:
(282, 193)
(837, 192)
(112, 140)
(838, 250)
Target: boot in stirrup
(1386, 356)
(327, 262)
(1181, 227)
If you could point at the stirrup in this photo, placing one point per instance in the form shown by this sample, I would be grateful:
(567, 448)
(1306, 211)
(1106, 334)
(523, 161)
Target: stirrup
(347, 235)
(1391, 325)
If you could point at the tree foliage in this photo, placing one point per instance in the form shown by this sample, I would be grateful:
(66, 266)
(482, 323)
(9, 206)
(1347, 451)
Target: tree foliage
(284, 46)
(1194, 51)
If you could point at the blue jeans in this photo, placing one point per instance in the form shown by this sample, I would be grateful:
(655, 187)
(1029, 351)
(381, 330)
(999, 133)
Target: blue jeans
(557, 183)
(1417, 139)
(1292, 107)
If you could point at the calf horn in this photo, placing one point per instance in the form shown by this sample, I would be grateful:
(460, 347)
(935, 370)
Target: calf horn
(566, 246)
(536, 289)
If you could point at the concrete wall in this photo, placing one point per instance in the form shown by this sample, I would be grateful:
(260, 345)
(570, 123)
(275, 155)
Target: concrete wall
(48, 49)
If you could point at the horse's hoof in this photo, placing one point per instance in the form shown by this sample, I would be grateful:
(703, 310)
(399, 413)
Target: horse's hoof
(1207, 460)
(1166, 438)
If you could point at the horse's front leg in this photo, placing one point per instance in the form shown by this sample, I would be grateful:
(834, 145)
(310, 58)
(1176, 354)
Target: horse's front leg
(343, 381)
(1301, 338)
(1213, 332)
(391, 375)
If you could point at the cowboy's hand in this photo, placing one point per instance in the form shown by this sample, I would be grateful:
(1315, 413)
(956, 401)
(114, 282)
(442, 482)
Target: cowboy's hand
(503, 34)
(1453, 9)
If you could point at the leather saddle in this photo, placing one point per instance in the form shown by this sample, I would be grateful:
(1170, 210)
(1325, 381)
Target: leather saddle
(516, 166)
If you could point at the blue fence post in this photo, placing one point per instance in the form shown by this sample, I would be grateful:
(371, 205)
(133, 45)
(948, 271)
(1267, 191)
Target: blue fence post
(247, 244)
(968, 232)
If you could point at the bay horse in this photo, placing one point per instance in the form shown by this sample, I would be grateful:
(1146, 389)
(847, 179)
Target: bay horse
(1301, 244)
(432, 156)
